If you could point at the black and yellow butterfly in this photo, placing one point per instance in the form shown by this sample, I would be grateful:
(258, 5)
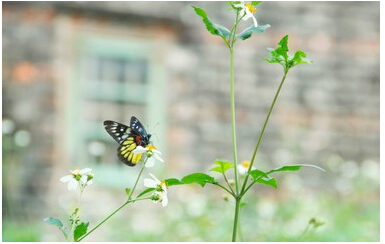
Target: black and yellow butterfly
(128, 137)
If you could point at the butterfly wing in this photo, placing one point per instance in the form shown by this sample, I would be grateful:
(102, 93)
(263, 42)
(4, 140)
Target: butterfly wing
(137, 127)
(126, 148)
(128, 137)
(117, 130)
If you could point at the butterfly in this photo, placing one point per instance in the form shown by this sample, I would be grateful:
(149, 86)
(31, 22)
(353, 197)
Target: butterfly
(128, 137)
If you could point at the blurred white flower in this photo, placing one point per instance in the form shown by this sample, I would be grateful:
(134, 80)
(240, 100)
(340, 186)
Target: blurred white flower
(78, 177)
(244, 167)
(160, 194)
(247, 11)
(150, 152)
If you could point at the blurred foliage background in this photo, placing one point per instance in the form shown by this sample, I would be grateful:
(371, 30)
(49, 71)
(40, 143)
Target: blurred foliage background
(68, 66)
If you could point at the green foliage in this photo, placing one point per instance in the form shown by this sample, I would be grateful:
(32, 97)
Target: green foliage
(280, 55)
(200, 178)
(56, 222)
(255, 3)
(246, 33)
(213, 28)
(173, 182)
(128, 190)
(144, 192)
(270, 181)
(262, 178)
(80, 230)
(223, 166)
(293, 168)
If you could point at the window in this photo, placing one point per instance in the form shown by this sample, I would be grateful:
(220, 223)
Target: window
(112, 80)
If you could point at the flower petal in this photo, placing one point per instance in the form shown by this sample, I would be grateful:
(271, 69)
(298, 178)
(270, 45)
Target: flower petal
(84, 178)
(164, 199)
(150, 162)
(156, 156)
(85, 171)
(150, 183)
(139, 149)
(154, 177)
(66, 178)
(72, 185)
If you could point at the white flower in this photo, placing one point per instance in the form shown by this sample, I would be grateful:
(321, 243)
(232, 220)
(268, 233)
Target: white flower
(243, 167)
(160, 194)
(151, 153)
(247, 11)
(78, 176)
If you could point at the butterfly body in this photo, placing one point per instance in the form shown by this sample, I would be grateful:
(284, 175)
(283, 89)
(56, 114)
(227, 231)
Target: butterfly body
(128, 137)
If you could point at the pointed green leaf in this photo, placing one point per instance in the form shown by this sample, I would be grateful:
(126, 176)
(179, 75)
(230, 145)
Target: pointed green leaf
(144, 192)
(262, 178)
(300, 58)
(280, 55)
(213, 28)
(246, 33)
(199, 178)
(172, 182)
(293, 168)
(80, 230)
(255, 2)
(58, 223)
(270, 181)
(128, 190)
(223, 31)
(256, 174)
(223, 166)
(53, 221)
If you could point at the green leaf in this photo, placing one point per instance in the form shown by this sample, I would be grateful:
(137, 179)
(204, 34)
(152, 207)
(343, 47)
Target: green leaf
(270, 181)
(280, 55)
(300, 58)
(255, 2)
(58, 223)
(199, 178)
(128, 190)
(223, 166)
(246, 33)
(173, 182)
(213, 28)
(80, 230)
(53, 221)
(293, 168)
(263, 178)
(144, 192)
(222, 31)
(256, 174)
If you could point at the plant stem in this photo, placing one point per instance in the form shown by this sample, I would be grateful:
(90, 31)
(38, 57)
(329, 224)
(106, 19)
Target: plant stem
(124, 204)
(109, 216)
(232, 107)
(236, 218)
(262, 132)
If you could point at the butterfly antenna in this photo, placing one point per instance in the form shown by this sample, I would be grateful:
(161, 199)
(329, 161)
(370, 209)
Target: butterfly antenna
(153, 129)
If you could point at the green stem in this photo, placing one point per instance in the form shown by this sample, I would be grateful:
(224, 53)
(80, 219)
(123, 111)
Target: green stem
(228, 184)
(124, 204)
(109, 216)
(224, 188)
(263, 131)
(232, 107)
(236, 218)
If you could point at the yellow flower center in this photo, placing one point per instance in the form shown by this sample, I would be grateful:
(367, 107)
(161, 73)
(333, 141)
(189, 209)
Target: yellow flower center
(150, 147)
(250, 7)
(76, 171)
(163, 184)
(246, 164)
